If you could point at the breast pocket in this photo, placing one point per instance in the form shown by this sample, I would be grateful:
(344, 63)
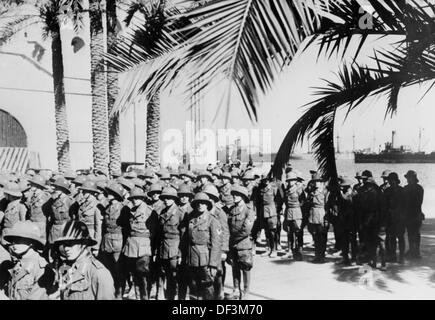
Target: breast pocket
(80, 285)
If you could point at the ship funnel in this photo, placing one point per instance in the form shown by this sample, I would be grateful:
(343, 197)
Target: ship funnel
(393, 136)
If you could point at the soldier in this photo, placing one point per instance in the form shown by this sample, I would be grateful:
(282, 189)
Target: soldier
(38, 204)
(15, 210)
(76, 193)
(394, 200)
(90, 212)
(137, 248)
(202, 236)
(348, 221)
(165, 179)
(317, 224)
(225, 192)
(154, 198)
(236, 176)
(384, 177)
(188, 178)
(81, 275)
(293, 215)
(30, 276)
(413, 196)
(60, 211)
(216, 174)
(168, 240)
(369, 207)
(114, 228)
(185, 196)
(102, 196)
(360, 183)
(240, 222)
(204, 178)
(219, 214)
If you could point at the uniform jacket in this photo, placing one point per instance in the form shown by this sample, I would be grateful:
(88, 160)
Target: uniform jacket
(317, 200)
(90, 213)
(86, 279)
(30, 279)
(168, 232)
(219, 214)
(395, 206)
(15, 211)
(114, 226)
(268, 198)
(60, 209)
(201, 234)
(292, 202)
(38, 210)
(369, 205)
(413, 195)
(240, 222)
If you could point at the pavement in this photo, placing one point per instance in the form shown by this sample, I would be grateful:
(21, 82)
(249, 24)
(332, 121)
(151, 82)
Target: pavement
(287, 279)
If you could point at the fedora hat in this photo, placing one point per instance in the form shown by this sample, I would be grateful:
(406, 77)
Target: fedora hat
(89, 186)
(116, 190)
(25, 230)
(137, 193)
(393, 176)
(202, 197)
(411, 174)
(61, 184)
(240, 191)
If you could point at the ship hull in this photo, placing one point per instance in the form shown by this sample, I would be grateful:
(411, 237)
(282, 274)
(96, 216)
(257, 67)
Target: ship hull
(394, 158)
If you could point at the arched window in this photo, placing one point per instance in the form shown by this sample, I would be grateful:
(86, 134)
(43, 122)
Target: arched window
(12, 133)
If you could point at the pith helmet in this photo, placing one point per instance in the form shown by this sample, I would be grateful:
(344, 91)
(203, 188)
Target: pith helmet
(202, 197)
(13, 189)
(170, 193)
(205, 174)
(155, 188)
(116, 190)
(241, 191)
(130, 175)
(187, 174)
(75, 231)
(38, 181)
(184, 190)
(291, 176)
(212, 192)
(127, 184)
(248, 176)
(89, 186)
(62, 184)
(137, 193)
(25, 230)
(346, 182)
(79, 180)
(226, 175)
(70, 175)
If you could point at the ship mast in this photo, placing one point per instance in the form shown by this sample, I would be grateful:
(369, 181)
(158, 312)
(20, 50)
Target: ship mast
(353, 142)
(419, 140)
(338, 144)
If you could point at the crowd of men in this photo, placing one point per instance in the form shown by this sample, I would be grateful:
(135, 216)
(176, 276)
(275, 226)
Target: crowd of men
(153, 233)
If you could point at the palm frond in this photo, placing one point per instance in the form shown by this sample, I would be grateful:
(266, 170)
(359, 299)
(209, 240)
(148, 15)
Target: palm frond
(14, 25)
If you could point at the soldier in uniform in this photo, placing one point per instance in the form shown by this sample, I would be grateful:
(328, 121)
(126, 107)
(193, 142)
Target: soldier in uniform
(30, 276)
(90, 212)
(413, 196)
(216, 174)
(154, 197)
(395, 229)
(81, 275)
(293, 214)
(236, 176)
(114, 227)
(137, 248)
(240, 222)
(165, 179)
(204, 178)
(317, 224)
(76, 193)
(188, 178)
(60, 209)
(38, 204)
(202, 236)
(218, 213)
(185, 196)
(384, 177)
(15, 210)
(168, 240)
(348, 221)
(225, 192)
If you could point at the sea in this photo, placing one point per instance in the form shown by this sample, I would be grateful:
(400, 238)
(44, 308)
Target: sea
(347, 167)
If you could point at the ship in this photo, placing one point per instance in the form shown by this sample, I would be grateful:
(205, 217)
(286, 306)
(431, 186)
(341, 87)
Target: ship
(391, 154)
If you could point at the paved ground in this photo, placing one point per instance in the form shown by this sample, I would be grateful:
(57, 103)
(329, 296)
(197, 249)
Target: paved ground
(287, 279)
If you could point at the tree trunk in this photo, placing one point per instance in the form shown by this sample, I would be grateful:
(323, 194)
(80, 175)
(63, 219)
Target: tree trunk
(100, 132)
(152, 152)
(112, 93)
(62, 133)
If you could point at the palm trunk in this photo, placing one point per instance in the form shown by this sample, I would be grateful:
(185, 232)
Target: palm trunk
(112, 93)
(100, 132)
(62, 133)
(152, 152)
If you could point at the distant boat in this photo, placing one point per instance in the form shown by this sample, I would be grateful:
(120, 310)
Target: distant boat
(390, 154)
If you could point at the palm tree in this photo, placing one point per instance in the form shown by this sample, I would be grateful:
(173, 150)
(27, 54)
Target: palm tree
(100, 125)
(46, 15)
(247, 42)
(112, 91)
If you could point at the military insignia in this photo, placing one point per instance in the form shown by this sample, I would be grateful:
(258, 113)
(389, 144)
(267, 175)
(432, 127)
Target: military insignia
(219, 231)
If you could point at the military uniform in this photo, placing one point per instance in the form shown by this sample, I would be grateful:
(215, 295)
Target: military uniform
(317, 224)
(137, 248)
(203, 251)
(15, 211)
(226, 197)
(86, 279)
(348, 221)
(59, 214)
(38, 210)
(90, 213)
(168, 240)
(413, 199)
(395, 222)
(293, 218)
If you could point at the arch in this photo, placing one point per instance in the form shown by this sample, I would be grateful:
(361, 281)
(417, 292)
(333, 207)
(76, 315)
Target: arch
(12, 133)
